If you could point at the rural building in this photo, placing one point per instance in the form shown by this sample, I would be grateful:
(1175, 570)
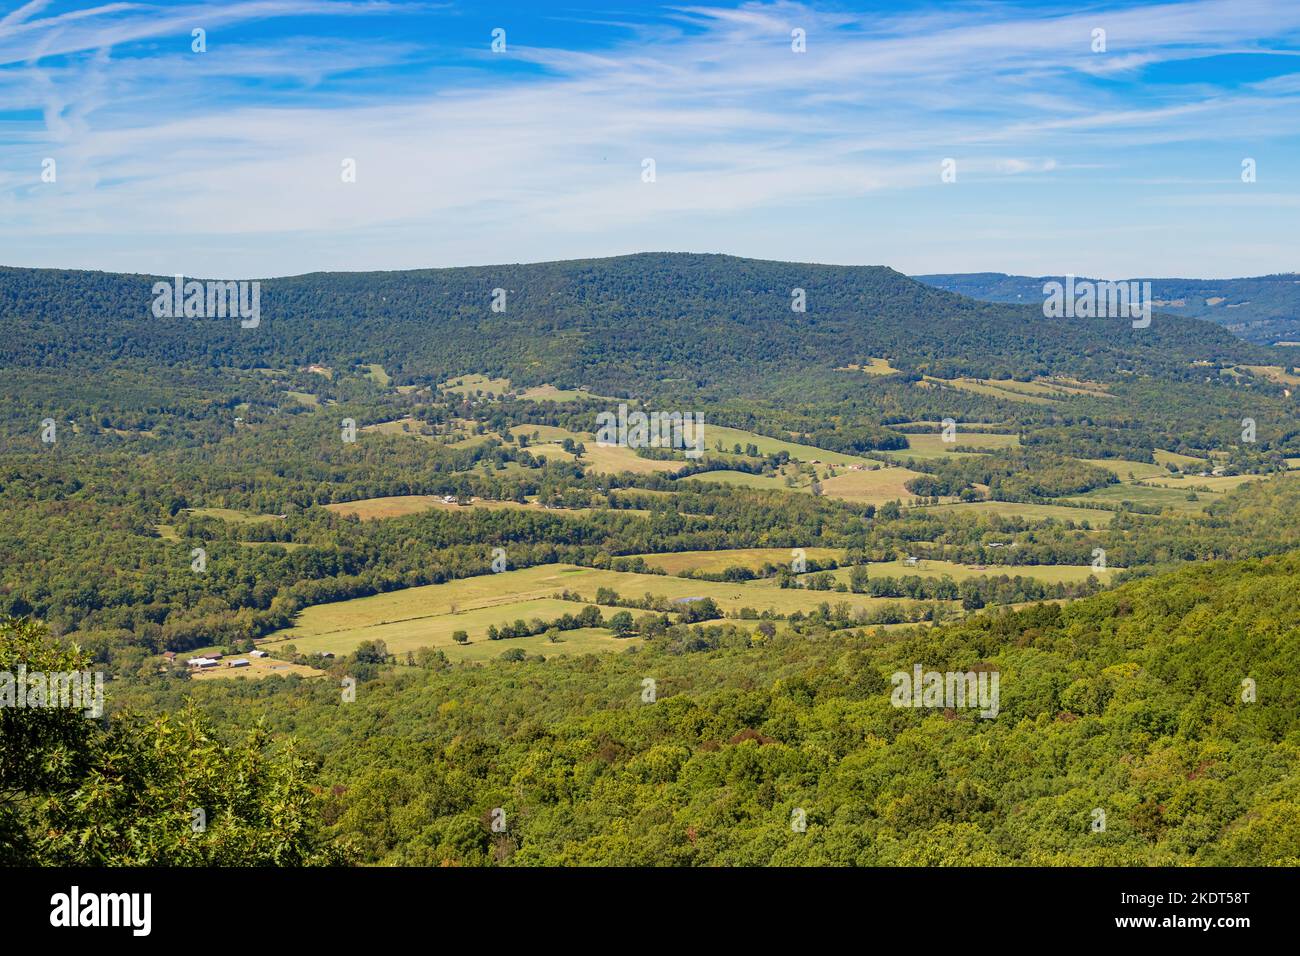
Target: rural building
(237, 662)
(257, 654)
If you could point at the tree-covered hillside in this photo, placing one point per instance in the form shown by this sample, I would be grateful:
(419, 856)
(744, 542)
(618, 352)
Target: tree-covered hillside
(1263, 309)
(649, 323)
(1126, 735)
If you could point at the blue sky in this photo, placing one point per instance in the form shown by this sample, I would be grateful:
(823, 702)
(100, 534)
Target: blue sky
(227, 163)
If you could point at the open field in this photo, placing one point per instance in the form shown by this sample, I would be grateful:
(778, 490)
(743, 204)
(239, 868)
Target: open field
(608, 460)
(926, 568)
(398, 426)
(870, 487)
(1178, 460)
(429, 615)
(991, 389)
(713, 562)
(612, 459)
(1032, 512)
(730, 437)
(875, 366)
(549, 393)
(1127, 470)
(1219, 483)
(1275, 373)
(582, 640)
(1150, 497)
(933, 446)
(396, 506)
(258, 667)
(743, 479)
(316, 631)
(376, 374)
(472, 384)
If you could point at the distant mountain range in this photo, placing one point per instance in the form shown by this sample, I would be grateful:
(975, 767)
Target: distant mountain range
(1264, 309)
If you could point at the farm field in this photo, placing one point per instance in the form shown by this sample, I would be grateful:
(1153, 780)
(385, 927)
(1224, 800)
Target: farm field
(1126, 470)
(994, 389)
(400, 426)
(713, 562)
(316, 633)
(1275, 373)
(1095, 517)
(743, 479)
(582, 640)
(396, 506)
(377, 374)
(730, 437)
(927, 568)
(608, 460)
(428, 615)
(1161, 498)
(549, 393)
(870, 487)
(1219, 483)
(1163, 457)
(933, 446)
(472, 384)
(875, 366)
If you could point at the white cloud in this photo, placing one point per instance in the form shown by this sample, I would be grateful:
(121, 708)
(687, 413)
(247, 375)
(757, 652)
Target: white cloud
(156, 152)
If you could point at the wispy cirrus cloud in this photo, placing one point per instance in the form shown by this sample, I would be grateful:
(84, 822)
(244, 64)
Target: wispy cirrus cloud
(230, 161)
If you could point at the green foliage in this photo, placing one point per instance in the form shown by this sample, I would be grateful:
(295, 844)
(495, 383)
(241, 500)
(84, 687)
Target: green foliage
(1130, 701)
(75, 793)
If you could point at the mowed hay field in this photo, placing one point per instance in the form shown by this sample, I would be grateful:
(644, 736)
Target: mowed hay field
(870, 487)
(424, 616)
(715, 562)
(926, 568)
(316, 632)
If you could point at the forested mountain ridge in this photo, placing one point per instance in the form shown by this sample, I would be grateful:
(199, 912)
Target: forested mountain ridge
(704, 321)
(1263, 309)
